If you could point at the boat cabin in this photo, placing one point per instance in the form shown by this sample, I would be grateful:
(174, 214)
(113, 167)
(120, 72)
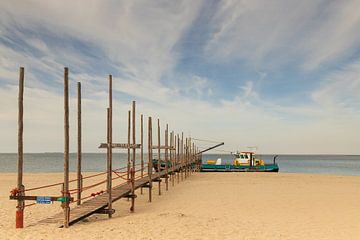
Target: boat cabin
(244, 158)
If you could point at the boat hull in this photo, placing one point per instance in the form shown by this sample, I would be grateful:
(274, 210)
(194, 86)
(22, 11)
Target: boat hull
(241, 168)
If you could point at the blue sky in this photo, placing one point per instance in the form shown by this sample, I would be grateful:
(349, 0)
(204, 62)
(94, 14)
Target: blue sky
(281, 75)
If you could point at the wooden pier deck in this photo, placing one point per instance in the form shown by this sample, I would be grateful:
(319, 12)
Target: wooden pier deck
(99, 203)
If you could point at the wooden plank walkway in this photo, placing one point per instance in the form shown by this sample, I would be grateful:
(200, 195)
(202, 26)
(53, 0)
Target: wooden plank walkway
(100, 202)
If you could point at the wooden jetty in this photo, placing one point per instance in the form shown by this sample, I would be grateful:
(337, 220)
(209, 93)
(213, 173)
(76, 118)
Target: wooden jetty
(99, 204)
(181, 154)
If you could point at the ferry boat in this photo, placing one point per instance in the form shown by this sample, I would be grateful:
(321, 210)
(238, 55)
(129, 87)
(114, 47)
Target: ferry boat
(243, 162)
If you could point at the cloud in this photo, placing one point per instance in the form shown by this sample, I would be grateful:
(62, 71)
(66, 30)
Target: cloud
(240, 47)
(274, 34)
(339, 92)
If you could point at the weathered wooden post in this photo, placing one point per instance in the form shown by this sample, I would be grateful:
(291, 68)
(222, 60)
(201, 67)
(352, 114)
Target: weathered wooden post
(192, 157)
(132, 209)
(170, 155)
(186, 157)
(66, 149)
(178, 158)
(109, 150)
(159, 157)
(173, 157)
(182, 156)
(20, 161)
(142, 149)
(167, 156)
(150, 167)
(79, 176)
(128, 150)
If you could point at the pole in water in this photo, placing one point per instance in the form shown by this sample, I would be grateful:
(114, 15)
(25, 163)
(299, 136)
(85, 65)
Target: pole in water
(20, 203)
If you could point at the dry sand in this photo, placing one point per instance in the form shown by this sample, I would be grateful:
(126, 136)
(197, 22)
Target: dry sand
(209, 206)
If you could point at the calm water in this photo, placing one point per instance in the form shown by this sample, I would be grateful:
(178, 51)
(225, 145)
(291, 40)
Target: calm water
(53, 162)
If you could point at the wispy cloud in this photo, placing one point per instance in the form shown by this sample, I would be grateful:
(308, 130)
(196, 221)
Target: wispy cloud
(282, 75)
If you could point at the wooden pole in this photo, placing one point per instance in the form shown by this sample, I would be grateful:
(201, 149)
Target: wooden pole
(192, 158)
(109, 150)
(182, 156)
(172, 157)
(185, 157)
(109, 162)
(159, 159)
(142, 149)
(132, 209)
(150, 167)
(128, 152)
(178, 157)
(166, 156)
(66, 148)
(79, 176)
(188, 157)
(20, 161)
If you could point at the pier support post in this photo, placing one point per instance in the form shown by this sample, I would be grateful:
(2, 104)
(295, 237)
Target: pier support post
(182, 156)
(128, 150)
(178, 158)
(142, 149)
(167, 157)
(109, 149)
(159, 157)
(172, 157)
(20, 203)
(79, 177)
(66, 148)
(132, 209)
(150, 167)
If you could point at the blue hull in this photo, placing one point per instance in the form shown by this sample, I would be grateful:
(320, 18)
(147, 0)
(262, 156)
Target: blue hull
(232, 168)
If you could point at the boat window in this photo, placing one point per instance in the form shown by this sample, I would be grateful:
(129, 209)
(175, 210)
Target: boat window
(242, 156)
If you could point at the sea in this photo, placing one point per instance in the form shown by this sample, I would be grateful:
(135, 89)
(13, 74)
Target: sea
(94, 162)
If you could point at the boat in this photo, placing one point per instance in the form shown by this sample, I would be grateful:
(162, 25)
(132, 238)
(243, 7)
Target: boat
(243, 162)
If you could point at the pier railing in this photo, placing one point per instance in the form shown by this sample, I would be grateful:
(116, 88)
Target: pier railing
(77, 196)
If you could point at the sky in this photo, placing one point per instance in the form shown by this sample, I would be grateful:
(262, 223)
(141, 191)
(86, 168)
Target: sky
(282, 75)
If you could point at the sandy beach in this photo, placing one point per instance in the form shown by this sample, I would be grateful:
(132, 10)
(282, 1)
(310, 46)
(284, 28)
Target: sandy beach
(208, 206)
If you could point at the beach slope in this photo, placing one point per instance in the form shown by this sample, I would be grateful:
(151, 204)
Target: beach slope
(208, 206)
